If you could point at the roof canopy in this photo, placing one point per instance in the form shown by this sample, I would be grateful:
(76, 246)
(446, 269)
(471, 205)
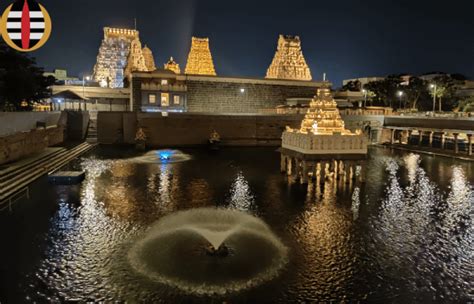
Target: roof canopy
(68, 94)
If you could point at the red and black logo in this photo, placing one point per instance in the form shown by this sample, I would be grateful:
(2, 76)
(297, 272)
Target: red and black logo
(26, 25)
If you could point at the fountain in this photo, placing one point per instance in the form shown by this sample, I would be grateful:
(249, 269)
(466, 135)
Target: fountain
(165, 156)
(209, 251)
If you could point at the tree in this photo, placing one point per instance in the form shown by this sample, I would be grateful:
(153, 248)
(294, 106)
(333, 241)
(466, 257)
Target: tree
(466, 104)
(444, 87)
(384, 91)
(353, 86)
(416, 90)
(21, 80)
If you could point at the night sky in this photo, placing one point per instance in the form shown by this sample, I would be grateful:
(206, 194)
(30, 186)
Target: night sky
(345, 39)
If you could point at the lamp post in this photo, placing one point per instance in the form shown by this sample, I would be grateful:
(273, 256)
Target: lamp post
(365, 97)
(400, 94)
(84, 78)
(433, 87)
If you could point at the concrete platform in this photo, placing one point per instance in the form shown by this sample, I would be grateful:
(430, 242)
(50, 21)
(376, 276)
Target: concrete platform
(66, 177)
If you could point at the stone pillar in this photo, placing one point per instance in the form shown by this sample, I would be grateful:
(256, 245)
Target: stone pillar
(289, 166)
(392, 136)
(456, 148)
(409, 136)
(297, 170)
(442, 140)
(304, 172)
(282, 163)
(420, 137)
(431, 139)
(469, 144)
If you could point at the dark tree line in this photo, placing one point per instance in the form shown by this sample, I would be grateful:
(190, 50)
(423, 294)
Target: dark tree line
(21, 81)
(416, 93)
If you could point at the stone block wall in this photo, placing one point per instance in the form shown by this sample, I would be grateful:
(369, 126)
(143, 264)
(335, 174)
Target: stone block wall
(19, 145)
(183, 129)
(227, 97)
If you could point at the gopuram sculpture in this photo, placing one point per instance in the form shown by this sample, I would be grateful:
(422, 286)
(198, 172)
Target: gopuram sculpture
(149, 61)
(172, 66)
(118, 47)
(200, 58)
(135, 60)
(322, 147)
(289, 62)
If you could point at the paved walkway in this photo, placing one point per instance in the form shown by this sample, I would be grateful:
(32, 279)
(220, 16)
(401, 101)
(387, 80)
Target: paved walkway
(431, 151)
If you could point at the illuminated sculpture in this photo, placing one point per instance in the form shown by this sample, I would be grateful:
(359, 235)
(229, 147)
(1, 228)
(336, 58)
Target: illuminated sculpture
(322, 146)
(135, 60)
(200, 58)
(120, 53)
(172, 66)
(289, 62)
(149, 61)
(322, 130)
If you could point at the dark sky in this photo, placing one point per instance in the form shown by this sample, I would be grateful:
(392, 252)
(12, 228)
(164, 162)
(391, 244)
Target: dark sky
(345, 39)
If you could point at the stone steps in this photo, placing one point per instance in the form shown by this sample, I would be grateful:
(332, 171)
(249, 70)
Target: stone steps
(21, 177)
(92, 129)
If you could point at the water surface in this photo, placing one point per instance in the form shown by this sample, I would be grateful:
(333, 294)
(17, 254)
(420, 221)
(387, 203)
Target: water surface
(406, 235)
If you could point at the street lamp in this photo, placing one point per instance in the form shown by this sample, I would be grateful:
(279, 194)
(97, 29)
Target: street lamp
(84, 78)
(434, 87)
(400, 94)
(365, 97)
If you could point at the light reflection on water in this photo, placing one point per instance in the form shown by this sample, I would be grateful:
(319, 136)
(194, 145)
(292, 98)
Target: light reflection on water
(403, 235)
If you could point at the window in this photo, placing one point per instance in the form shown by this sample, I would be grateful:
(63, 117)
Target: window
(164, 81)
(176, 99)
(165, 99)
(152, 98)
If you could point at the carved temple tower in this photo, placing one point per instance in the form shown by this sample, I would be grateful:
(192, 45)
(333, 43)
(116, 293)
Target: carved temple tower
(289, 62)
(149, 61)
(135, 60)
(120, 53)
(172, 66)
(322, 148)
(200, 58)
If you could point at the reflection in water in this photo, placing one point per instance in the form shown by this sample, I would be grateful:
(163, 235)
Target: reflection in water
(411, 243)
(241, 197)
(405, 235)
(324, 232)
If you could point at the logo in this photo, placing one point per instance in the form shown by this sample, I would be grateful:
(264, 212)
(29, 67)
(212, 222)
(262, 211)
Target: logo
(25, 25)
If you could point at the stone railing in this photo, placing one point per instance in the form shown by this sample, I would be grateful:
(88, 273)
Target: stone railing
(324, 144)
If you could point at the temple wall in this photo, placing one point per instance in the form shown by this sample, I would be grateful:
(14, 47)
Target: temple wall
(186, 129)
(226, 97)
(14, 122)
(16, 146)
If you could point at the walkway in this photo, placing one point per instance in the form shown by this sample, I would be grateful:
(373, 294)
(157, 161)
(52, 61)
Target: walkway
(430, 151)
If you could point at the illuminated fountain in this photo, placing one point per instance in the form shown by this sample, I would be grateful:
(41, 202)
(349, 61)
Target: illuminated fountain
(166, 156)
(322, 146)
(209, 251)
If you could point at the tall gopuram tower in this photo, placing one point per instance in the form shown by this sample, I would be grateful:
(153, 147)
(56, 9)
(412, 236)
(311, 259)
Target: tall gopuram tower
(289, 62)
(109, 70)
(136, 60)
(200, 58)
(172, 66)
(149, 60)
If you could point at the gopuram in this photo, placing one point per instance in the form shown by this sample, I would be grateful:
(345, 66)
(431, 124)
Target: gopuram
(118, 47)
(322, 148)
(135, 60)
(289, 62)
(172, 66)
(200, 58)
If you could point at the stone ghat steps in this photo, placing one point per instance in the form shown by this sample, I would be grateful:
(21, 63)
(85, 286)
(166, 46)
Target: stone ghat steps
(23, 178)
(10, 172)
